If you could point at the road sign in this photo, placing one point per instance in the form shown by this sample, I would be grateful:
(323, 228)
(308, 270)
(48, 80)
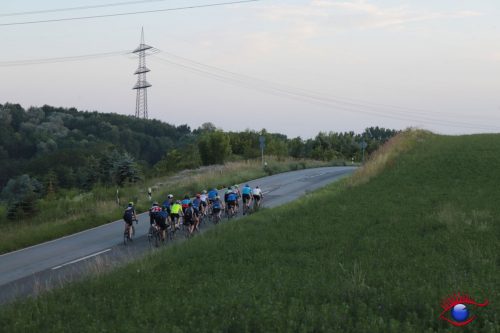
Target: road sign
(262, 141)
(363, 145)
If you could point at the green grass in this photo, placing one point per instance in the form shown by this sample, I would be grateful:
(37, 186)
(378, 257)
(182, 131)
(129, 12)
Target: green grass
(71, 211)
(374, 253)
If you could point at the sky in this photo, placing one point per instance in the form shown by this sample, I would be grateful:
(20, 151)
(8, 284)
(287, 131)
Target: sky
(295, 67)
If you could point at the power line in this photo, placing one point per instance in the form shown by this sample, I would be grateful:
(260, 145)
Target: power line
(264, 86)
(42, 61)
(128, 13)
(67, 9)
(317, 100)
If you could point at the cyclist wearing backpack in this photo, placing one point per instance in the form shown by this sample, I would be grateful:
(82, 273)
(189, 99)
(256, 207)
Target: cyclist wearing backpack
(190, 218)
(198, 208)
(129, 216)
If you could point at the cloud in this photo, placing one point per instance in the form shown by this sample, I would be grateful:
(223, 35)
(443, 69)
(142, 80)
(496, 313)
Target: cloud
(360, 14)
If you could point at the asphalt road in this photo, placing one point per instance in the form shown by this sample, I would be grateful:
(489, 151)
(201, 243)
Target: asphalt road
(49, 265)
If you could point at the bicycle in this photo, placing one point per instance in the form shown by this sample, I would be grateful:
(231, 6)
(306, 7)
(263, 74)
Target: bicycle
(154, 235)
(128, 234)
(215, 217)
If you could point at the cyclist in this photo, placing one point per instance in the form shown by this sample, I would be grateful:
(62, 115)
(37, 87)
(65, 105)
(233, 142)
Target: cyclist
(185, 203)
(212, 194)
(161, 221)
(247, 197)
(232, 198)
(167, 203)
(236, 189)
(155, 209)
(197, 204)
(190, 218)
(217, 206)
(175, 214)
(257, 195)
(129, 216)
(204, 201)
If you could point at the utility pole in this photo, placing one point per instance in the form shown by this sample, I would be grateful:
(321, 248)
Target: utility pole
(141, 102)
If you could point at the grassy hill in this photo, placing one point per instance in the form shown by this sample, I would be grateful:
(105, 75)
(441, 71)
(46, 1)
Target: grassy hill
(375, 253)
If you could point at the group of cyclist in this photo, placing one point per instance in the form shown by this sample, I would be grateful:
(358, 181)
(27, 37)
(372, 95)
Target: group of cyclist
(190, 212)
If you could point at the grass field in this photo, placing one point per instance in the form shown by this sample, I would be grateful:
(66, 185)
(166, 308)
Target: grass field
(375, 253)
(72, 211)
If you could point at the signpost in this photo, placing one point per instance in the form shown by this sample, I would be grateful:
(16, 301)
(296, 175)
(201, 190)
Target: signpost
(262, 141)
(363, 145)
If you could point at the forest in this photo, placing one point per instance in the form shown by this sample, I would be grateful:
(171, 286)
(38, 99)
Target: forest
(44, 149)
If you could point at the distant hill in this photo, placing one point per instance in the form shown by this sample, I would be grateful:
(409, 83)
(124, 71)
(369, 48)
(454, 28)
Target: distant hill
(71, 144)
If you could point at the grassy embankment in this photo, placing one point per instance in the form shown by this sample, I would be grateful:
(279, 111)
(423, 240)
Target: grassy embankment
(374, 253)
(71, 211)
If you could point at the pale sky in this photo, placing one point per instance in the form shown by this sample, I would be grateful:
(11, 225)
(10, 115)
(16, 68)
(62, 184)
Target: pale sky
(426, 63)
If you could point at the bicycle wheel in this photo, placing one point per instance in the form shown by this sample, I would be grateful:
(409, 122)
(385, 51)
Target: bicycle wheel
(157, 238)
(151, 236)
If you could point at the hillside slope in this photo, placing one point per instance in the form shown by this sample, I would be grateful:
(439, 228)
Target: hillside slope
(377, 253)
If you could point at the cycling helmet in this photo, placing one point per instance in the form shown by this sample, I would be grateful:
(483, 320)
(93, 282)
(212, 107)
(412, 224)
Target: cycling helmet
(155, 203)
(247, 185)
(217, 197)
(204, 192)
(170, 196)
(130, 204)
(178, 202)
(256, 187)
(236, 186)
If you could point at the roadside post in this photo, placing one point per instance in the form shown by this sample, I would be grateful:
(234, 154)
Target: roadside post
(363, 146)
(262, 141)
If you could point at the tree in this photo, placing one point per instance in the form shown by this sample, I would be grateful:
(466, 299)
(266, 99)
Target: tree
(21, 194)
(125, 169)
(214, 147)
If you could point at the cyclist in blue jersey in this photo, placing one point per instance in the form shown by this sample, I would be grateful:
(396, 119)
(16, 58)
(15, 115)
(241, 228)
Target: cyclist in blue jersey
(212, 194)
(217, 207)
(231, 202)
(247, 197)
(185, 203)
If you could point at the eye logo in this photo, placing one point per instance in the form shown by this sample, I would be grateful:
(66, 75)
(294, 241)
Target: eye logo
(456, 305)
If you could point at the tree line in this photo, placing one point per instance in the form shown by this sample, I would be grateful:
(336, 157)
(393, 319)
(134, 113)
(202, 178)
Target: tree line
(43, 149)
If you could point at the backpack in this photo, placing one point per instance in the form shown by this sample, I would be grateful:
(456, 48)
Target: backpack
(127, 215)
(188, 214)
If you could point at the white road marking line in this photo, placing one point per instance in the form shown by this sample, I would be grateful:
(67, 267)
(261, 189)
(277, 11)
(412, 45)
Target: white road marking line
(266, 192)
(80, 259)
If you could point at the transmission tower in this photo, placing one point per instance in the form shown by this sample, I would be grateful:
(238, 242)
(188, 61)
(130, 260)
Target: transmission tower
(141, 103)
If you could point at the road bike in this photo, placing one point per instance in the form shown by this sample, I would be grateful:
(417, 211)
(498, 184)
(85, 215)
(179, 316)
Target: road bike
(154, 235)
(215, 217)
(128, 234)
